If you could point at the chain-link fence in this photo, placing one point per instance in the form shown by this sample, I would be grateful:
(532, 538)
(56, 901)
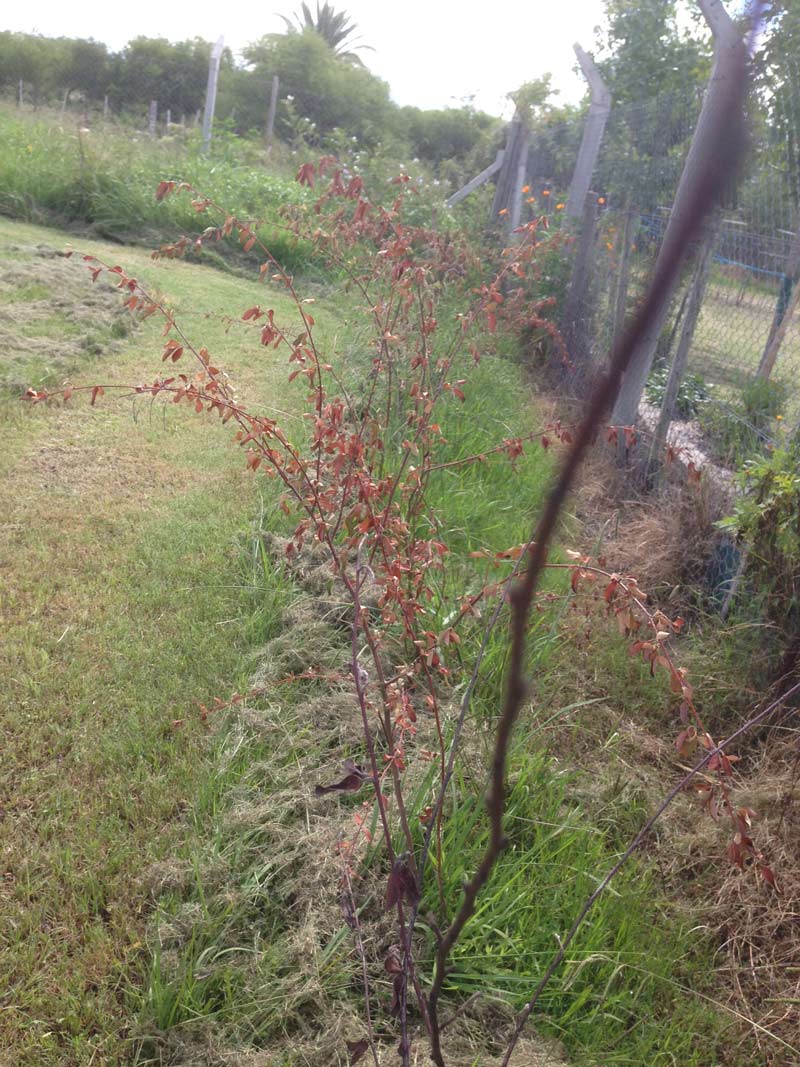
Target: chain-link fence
(732, 316)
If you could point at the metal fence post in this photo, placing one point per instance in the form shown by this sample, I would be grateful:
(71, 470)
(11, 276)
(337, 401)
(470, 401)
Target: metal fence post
(593, 130)
(211, 92)
(728, 47)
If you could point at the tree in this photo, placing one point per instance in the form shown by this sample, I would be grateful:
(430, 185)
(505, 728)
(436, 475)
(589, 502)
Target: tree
(86, 68)
(776, 77)
(174, 74)
(325, 91)
(647, 54)
(334, 28)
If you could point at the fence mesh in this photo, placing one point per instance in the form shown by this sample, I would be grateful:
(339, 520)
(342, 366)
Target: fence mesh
(723, 401)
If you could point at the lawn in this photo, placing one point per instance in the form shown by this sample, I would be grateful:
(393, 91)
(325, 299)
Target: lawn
(126, 597)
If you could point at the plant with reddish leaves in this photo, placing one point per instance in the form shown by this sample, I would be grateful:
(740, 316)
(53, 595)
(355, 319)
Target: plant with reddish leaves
(358, 486)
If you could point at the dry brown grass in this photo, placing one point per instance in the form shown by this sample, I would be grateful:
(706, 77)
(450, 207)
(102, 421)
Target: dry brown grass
(664, 538)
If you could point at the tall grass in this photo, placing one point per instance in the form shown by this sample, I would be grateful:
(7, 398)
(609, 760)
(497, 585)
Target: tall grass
(104, 180)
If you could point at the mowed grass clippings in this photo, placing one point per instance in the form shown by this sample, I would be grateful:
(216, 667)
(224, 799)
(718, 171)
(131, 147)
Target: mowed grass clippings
(130, 592)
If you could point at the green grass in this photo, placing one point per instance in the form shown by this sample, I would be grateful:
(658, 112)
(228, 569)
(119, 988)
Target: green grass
(625, 995)
(131, 590)
(137, 586)
(104, 182)
(621, 996)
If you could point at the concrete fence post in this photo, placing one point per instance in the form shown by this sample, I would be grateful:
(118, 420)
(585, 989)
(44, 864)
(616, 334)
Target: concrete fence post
(697, 289)
(728, 49)
(789, 285)
(211, 92)
(578, 312)
(273, 107)
(594, 127)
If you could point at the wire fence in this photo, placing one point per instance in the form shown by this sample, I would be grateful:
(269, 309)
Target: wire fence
(742, 374)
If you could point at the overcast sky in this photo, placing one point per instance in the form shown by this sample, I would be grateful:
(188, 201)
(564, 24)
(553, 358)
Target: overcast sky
(433, 53)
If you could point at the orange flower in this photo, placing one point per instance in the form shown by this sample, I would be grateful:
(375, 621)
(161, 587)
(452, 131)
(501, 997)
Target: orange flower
(559, 207)
(503, 211)
(601, 200)
(545, 192)
(526, 188)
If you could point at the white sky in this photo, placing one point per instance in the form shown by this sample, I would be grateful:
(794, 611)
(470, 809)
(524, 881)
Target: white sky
(433, 53)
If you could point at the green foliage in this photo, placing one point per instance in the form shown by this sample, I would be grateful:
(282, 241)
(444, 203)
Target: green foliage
(620, 995)
(647, 53)
(324, 90)
(766, 520)
(107, 182)
(743, 425)
(156, 69)
(451, 134)
(531, 99)
(693, 392)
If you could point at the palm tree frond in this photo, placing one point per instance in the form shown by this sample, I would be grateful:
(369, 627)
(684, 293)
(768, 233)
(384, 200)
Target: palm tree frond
(333, 26)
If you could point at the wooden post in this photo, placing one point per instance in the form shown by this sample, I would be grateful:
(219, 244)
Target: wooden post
(211, 92)
(728, 50)
(593, 130)
(168, 120)
(152, 118)
(478, 180)
(273, 107)
(694, 303)
(105, 106)
(19, 93)
(64, 104)
(789, 283)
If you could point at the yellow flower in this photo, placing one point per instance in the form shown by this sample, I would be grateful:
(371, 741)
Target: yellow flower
(779, 418)
(559, 207)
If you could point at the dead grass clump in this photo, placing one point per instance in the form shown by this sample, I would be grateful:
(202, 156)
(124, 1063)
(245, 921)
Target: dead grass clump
(758, 928)
(665, 538)
(475, 1038)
